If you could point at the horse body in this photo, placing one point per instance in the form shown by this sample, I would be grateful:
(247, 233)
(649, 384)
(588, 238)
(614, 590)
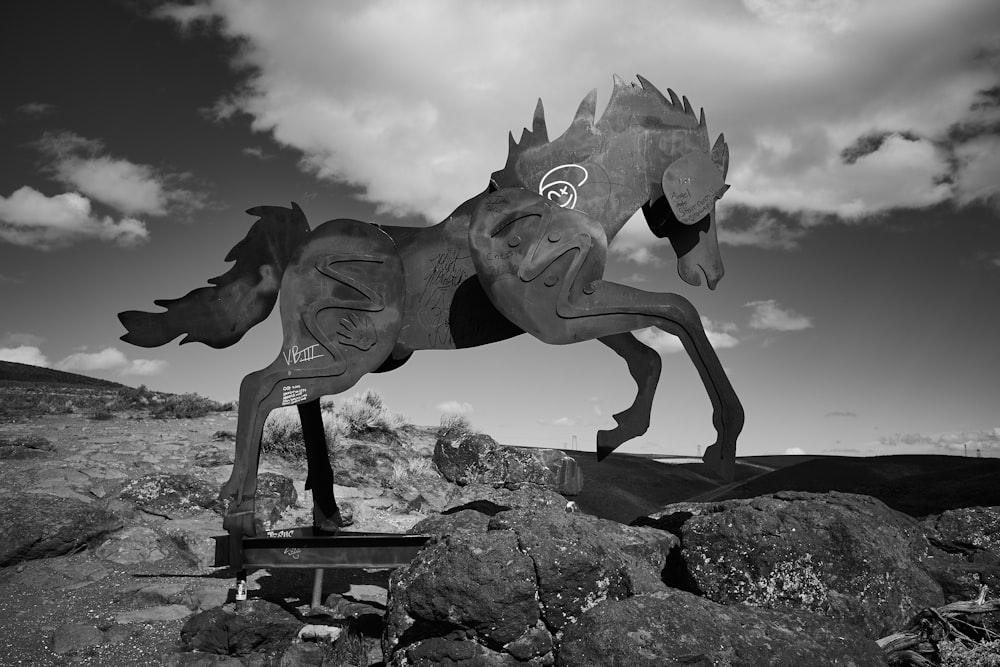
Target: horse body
(525, 255)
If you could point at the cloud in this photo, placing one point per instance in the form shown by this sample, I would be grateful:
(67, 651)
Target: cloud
(420, 119)
(794, 451)
(841, 413)
(127, 187)
(36, 109)
(980, 170)
(18, 339)
(30, 218)
(719, 335)
(986, 443)
(257, 152)
(769, 316)
(9, 280)
(454, 407)
(559, 421)
(111, 359)
(763, 229)
(24, 354)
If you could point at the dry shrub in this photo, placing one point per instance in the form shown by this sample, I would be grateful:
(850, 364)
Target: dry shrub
(283, 433)
(365, 416)
(454, 426)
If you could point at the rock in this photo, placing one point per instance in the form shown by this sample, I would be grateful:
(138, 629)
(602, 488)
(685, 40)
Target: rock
(195, 538)
(166, 612)
(470, 507)
(195, 659)
(213, 456)
(970, 529)
(965, 551)
(843, 555)
(673, 628)
(275, 493)
(369, 593)
(319, 633)
(73, 637)
(176, 495)
(569, 477)
(525, 496)
(465, 521)
(578, 561)
(25, 447)
(259, 626)
(453, 651)
(497, 595)
(476, 457)
(480, 582)
(40, 526)
(137, 544)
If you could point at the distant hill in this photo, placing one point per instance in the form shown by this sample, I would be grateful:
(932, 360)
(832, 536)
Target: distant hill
(912, 483)
(14, 372)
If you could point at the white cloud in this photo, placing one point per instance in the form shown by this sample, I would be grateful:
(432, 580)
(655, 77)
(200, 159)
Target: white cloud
(974, 443)
(145, 367)
(794, 451)
(126, 186)
(18, 339)
(563, 421)
(719, 335)
(760, 229)
(257, 152)
(769, 316)
(36, 108)
(110, 359)
(980, 173)
(24, 354)
(420, 118)
(454, 407)
(30, 218)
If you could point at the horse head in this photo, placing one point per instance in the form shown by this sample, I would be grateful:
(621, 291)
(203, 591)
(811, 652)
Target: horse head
(646, 151)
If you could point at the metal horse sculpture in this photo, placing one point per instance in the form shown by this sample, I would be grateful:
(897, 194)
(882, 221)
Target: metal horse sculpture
(526, 255)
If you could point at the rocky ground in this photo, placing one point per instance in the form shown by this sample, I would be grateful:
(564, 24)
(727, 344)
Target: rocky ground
(107, 529)
(107, 551)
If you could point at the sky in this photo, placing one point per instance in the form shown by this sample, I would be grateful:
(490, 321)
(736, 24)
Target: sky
(860, 235)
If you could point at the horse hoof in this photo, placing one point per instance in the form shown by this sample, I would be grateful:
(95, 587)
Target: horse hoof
(241, 522)
(331, 524)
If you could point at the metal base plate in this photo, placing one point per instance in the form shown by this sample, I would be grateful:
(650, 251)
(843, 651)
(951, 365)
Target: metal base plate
(304, 548)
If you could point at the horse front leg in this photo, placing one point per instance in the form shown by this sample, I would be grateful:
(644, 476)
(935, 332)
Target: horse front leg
(606, 307)
(644, 365)
(326, 514)
(255, 390)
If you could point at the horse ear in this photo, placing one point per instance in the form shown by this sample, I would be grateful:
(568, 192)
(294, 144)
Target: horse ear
(720, 155)
(691, 185)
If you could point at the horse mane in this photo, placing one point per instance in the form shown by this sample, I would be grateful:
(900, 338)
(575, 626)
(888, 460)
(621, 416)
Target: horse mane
(632, 107)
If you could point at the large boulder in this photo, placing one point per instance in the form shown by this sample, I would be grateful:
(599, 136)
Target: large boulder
(965, 550)
(275, 494)
(495, 594)
(673, 628)
(41, 526)
(258, 627)
(842, 555)
(476, 457)
(173, 495)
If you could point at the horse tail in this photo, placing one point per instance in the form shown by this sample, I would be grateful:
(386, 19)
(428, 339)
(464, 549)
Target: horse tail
(244, 296)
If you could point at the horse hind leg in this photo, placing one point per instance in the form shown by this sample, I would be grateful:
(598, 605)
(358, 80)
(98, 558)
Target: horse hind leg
(644, 365)
(327, 517)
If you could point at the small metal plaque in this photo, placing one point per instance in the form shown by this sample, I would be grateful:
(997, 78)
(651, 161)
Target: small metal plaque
(692, 184)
